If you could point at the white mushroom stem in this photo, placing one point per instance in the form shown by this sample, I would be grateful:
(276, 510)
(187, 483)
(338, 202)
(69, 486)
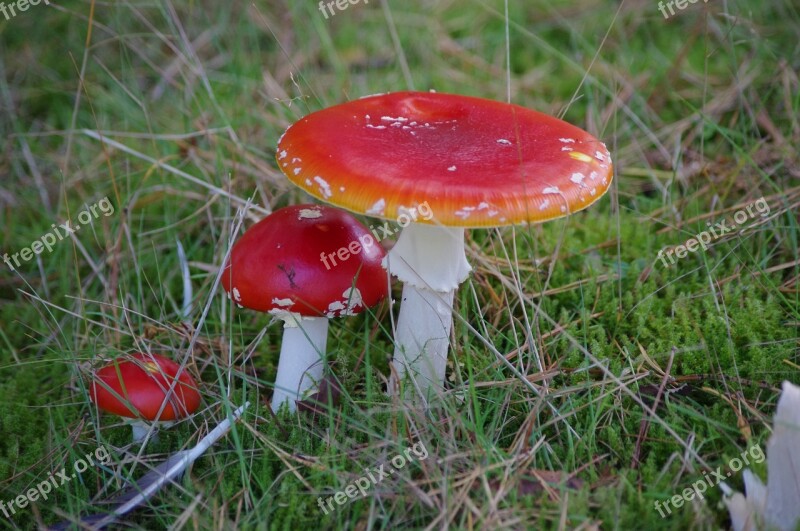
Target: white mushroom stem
(139, 429)
(301, 364)
(431, 262)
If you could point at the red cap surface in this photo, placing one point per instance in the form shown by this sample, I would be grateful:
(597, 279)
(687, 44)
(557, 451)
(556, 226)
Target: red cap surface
(312, 260)
(142, 381)
(476, 162)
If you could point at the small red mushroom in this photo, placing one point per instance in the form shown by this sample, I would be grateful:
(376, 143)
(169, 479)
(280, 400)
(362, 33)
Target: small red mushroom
(304, 264)
(145, 387)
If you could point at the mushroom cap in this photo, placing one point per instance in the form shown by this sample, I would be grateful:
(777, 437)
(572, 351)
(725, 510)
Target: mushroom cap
(476, 162)
(277, 265)
(142, 381)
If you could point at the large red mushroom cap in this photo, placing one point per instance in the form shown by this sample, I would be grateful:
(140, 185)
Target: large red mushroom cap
(476, 162)
(308, 260)
(137, 386)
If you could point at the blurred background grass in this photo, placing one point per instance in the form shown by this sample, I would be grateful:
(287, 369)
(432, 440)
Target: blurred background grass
(699, 111)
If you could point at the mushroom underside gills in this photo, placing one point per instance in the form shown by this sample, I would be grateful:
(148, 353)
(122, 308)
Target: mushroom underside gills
(431, 262)
(301, 362)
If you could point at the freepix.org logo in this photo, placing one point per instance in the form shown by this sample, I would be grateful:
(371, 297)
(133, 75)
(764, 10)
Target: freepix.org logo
(701, 485)
(18, 6)
(48, 240)
(679, 4)
(715, 231)
(365, 242)
(360, 486)
(54, 481)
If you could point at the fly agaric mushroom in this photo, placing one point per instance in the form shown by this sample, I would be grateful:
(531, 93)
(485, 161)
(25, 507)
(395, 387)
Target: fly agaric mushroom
(145, 388)
(475, 162)
(305, 264)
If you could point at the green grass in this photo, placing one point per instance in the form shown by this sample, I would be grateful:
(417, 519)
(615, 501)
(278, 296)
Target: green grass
(700, 113)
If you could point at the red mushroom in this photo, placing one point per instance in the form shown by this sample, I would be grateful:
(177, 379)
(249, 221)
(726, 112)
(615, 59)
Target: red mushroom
(305, 264)
(145, 387)
(473, 162)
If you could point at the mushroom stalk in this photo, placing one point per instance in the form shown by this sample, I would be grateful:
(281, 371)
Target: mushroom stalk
(423, 336)
(139, 430)
(301, 364)
(431, 262)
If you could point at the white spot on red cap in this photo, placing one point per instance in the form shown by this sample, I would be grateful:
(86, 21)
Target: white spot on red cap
(376, 126)
(334, 309)
(599, 156)
(563, 208)
(567, 140)
(483, 205)
(577, 178)
(309, 213)
(566, 148)
(324, 187)
(465, 212)
(351, 298)
(236, 295)
(282, 155)
(285, 303)
(452, 168)
(378, 208)
(544, 204)
(297, 170)
(504, 142)
(551, 190)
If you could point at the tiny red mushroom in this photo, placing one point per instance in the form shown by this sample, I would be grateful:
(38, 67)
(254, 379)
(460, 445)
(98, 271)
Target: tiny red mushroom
(305, 264)
(473, 162)
(146, 388)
